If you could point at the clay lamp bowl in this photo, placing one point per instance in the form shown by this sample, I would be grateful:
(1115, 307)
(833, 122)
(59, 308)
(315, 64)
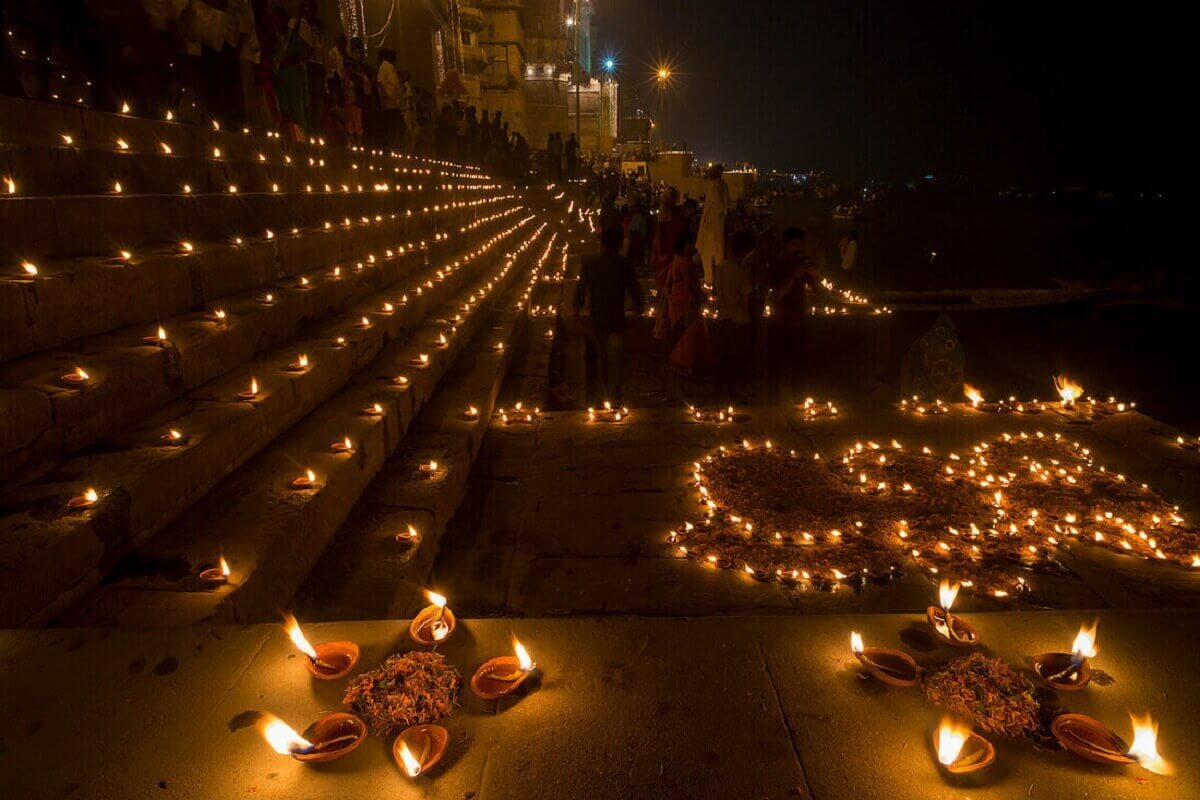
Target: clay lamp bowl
(374, 410)
(173, 438)
(86, 500)
(306, 481)
(499, 676)
(159, 340)
(471, 413)
(1090, 739)
(334, 660)
(400, 381)
(332, 736)
(419, 748)
(974, 754)
(76, 378)
(893, 667)
(963, 634)
(420, 362)
(251, 394)
(343, 446)
(216, 576)
(433, 625)
(1066, 672)
(299, 365)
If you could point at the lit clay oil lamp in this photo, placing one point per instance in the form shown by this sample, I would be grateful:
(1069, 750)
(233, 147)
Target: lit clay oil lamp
(419, 748)
(173, 438)
(434, 623)
(893, 667)
(328, 660)
(607, 413)
(1094, 741)
(76, 377)
(431, 470)
(947, 627)
(218, 575)
(329, 738)
(471, 413)
(373, 410)
(343, 446)
(960, 750)
(299, 365)
(306, 481)
(88, 499)
(251, 394)
(409, 535)
(159, 339)
(1069, 672)
(500, 676)
(420, 362)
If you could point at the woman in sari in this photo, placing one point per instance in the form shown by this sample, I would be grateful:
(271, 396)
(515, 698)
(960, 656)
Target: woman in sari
(685, 295)
(668, 226)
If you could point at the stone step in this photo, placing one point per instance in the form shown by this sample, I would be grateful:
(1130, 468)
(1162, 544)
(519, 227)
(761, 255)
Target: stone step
(48, 553)
(366, 572)
(61, 151)
(74, 297)
(93, 224)
(129, 378)
(270, 533)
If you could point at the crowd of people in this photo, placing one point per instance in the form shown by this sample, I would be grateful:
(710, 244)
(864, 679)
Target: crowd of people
(244, 63)
(731, 295)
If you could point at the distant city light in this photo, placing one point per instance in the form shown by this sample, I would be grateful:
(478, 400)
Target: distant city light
(610, 64)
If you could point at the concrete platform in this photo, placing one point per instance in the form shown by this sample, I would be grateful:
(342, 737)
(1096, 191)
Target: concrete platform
(621, 707)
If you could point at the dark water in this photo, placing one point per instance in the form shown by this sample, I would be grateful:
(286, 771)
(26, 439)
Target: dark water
(1138, 343)
(989, 242)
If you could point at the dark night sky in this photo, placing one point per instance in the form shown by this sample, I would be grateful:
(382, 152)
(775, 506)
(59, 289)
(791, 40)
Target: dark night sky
(1000, 92)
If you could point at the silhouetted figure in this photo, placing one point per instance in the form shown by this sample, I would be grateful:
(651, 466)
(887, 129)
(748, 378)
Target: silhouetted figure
(604, 282)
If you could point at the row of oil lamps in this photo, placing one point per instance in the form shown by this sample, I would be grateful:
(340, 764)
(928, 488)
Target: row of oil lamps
(960, 749)
(28, 269)
(417, 748)
(1070, 393)
(79, 377)
(308, 479)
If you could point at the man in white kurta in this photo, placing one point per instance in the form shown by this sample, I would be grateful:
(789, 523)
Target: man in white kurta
(711, 240)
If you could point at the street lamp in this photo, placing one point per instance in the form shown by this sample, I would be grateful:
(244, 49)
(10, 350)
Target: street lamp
(664, 76)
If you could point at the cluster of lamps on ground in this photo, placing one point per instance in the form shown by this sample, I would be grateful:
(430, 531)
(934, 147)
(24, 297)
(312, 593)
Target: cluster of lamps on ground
(959, 749)
(417, 748)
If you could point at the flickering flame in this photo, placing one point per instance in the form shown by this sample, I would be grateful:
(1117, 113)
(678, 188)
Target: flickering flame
(91, 495)
(411, 765)
(312, 476)
(125, 255)
(281, 737)
(254, 386)
(10, 185)
(82, 374)
(1068, 390)
(1085, 641)
(947, 593)
(526, 663)
(187, 247)
(950, 740)
(224, 567)
(117, 187)
(302, 360)
(346, 441)
(297, 636)
(175, 434)
(1145, 745)
(435, 598)
(424, 358)
(162, 333)
(125, 107)
(973, 394)
(856, 642)
(30, 268)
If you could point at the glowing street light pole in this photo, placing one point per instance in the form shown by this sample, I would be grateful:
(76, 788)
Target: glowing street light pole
(573, 22)
(664, 75)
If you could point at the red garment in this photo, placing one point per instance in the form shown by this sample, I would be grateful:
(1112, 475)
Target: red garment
(684, 298)
(662, 249)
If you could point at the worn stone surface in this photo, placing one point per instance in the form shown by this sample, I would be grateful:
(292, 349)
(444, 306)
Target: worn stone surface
(620, 707)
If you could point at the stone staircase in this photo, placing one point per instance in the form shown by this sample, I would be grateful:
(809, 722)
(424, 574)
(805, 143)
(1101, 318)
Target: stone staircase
(316, 275)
